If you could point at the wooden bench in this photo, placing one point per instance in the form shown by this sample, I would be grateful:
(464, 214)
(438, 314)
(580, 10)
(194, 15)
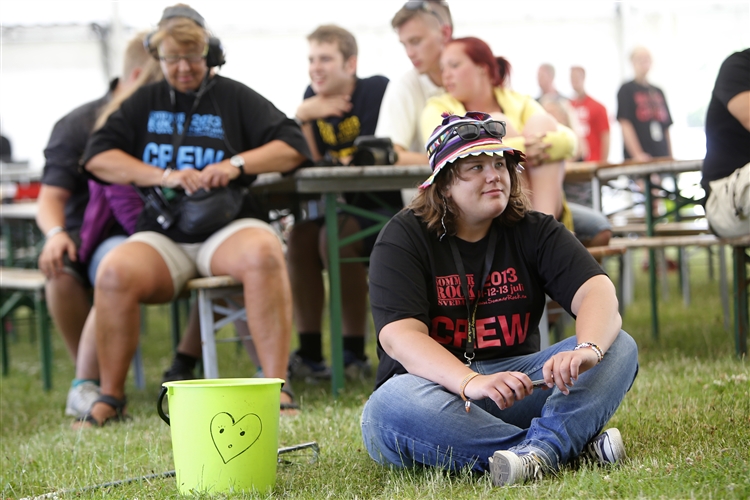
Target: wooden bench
(26, 287)
(741, 260)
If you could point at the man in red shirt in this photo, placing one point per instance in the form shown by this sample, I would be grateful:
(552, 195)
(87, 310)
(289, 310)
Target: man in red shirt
(592, 116)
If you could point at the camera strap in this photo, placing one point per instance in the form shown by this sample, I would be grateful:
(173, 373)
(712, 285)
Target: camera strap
(471, 308)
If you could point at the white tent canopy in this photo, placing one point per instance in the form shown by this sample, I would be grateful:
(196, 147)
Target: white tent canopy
(58, 55)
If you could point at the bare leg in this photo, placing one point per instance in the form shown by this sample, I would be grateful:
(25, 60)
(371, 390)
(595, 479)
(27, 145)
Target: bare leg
(305, 268)
(256, 259)
(87, 365)
(130, 274)
(69, 303)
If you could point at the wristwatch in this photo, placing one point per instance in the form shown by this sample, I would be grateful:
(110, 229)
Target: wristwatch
(237, 161)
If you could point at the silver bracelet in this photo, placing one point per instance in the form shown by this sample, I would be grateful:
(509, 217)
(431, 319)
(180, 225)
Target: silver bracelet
(52, 232)
(594, 347)
(164, 176)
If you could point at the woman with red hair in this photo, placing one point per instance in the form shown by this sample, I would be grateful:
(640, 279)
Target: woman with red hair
(476, 80)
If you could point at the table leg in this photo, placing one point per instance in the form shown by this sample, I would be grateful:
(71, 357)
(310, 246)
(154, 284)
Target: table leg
(741, 260)
(334, 291)
(45, 342)
(651, 259)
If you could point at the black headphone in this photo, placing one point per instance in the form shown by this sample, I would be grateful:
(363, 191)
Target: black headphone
(214, 56)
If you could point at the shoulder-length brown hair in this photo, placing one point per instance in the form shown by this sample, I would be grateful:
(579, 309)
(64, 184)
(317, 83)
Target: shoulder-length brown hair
(440, 212)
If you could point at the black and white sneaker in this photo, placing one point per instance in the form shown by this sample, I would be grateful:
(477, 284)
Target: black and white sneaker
(507, 468)
(606, 448)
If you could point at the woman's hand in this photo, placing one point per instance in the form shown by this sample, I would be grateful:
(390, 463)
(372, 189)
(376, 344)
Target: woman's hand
(503, 388)
(51, 258)
(536, 151)
(188, 179)
(218, 175)
(563, 368)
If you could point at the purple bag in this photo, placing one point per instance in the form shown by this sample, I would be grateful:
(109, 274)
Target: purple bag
(107, 204)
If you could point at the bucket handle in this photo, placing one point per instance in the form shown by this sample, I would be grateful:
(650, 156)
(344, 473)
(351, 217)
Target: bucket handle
(159, 405)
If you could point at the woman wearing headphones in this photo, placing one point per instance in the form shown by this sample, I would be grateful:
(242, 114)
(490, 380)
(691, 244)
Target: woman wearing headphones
(190, 143)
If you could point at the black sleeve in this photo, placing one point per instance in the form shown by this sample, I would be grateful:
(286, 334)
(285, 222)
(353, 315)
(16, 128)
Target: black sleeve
(563, 263)
(733, 78)
(119, 131)
(625, 106)
(398, 274)
(66, 145)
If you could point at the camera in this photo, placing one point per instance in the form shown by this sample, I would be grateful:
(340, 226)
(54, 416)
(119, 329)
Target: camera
(373, 150)
(157, 205)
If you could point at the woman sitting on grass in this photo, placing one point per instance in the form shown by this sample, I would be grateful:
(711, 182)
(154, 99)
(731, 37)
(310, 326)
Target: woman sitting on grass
(454, 383)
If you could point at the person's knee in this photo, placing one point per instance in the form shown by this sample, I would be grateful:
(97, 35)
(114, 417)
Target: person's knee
(264, 254)
(116, 274)
(63, 285)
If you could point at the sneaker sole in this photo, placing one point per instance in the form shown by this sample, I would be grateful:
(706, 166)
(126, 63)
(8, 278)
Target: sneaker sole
(501, 466)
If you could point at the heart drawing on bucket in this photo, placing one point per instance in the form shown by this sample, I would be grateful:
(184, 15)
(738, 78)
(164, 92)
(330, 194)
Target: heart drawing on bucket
(234, 438)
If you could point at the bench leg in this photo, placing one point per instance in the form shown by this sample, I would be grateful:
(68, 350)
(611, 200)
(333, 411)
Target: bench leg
(208, 337)
(741, 260)
(653, 293)
(684, 276)
(4, 347)
(724, 285)
(45, 342)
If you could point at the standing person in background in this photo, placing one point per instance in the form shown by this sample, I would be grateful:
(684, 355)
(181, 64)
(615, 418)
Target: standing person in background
(592, 116)
(593, 125)
(423, 28)
(338, 107)
(643, 113)
(545, 77)
(726, 169)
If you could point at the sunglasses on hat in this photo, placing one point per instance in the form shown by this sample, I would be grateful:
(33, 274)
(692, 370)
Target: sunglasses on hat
(471, 130)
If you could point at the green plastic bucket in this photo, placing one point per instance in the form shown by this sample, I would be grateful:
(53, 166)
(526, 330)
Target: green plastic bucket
(225, 433)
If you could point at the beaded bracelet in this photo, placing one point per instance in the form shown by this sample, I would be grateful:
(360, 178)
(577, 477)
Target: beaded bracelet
(462, 388)
(596, 349)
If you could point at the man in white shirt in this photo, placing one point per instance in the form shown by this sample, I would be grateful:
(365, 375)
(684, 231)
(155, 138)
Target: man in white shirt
(423, 28)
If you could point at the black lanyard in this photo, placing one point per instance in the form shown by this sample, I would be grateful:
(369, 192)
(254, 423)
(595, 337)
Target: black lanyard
(471, 309)
(178, 139)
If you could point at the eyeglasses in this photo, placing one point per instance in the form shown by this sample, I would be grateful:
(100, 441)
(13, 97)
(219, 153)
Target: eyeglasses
(468, 131)
(425, 5)
(189, 58)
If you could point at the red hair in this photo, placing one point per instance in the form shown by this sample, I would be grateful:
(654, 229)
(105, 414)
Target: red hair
(480, 54)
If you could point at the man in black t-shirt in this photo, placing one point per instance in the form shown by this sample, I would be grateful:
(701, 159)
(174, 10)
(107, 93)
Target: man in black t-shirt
(337, 108)
(726, 169)
(643, 113)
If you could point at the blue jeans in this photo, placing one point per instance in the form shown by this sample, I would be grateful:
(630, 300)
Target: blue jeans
(102, 250)
(410, 420)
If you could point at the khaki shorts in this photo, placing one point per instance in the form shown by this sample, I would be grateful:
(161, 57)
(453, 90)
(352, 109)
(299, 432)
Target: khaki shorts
(189, 260)
(728, 206)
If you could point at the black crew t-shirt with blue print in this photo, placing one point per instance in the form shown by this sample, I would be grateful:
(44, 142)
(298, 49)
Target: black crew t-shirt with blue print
(229, 119)
(335, 135)
(413, 275)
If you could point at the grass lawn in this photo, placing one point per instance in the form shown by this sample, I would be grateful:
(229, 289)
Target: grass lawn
(686, 423)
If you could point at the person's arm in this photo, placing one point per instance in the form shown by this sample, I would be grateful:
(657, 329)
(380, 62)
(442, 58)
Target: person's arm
(307, 131)
(274, 156)
(410, 157)
(605, 145)
(118, 167)
(632, 144)
(408, 342)
(739, 107)
(597, 321)
(50, 219)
